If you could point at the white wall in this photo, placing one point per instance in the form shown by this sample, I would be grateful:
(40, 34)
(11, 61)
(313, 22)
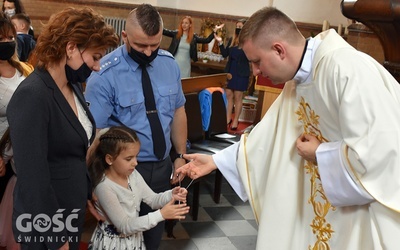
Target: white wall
(307, 11)
(313, 11)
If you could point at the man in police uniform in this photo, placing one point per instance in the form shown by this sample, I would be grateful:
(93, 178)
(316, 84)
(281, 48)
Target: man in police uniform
(116, 98)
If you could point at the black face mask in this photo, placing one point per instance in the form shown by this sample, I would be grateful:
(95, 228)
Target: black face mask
(237, 31)
(80, 75)
(142, 58)
(7, 50)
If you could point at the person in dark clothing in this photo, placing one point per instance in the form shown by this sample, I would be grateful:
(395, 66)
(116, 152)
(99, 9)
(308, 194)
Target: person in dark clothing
(26, 43)
(239, 67)
(51, 129)
(12, 7)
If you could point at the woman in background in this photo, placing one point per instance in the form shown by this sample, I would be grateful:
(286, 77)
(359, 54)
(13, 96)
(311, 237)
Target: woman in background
(238, 66)
(12, 72)
(12, 7)
(51, 129)
(184, 44)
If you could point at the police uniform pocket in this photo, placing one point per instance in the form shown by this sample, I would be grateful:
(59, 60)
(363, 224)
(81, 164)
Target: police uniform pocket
(130, 103)
(168, 95)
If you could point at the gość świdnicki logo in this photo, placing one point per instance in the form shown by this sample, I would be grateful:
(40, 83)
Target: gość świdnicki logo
(43, 223)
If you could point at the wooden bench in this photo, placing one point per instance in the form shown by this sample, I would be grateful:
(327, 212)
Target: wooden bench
(198, 83)
(195, 85)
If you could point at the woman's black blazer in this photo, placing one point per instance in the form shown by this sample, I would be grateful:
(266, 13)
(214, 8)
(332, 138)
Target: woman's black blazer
(50, 146)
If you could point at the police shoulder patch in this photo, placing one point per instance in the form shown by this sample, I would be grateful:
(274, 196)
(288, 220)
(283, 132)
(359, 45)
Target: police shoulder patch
(109, 63)
(162, 52)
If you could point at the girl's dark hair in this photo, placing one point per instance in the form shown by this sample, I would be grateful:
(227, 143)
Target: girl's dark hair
(111, 143)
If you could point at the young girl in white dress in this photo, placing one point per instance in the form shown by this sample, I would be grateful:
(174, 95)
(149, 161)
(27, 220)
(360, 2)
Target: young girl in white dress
(120, 190)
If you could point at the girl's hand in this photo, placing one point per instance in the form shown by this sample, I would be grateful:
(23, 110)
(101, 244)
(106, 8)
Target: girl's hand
(179, 194)
(173, 211)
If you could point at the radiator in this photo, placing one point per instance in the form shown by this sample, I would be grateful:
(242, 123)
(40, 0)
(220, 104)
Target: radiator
(118, 24)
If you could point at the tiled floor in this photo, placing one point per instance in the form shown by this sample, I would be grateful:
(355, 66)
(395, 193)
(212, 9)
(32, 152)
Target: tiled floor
(228, 225)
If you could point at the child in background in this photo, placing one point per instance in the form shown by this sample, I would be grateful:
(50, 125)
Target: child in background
(120, 190)
(26, 42)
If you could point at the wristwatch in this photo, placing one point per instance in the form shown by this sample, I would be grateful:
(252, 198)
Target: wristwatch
(179, 156)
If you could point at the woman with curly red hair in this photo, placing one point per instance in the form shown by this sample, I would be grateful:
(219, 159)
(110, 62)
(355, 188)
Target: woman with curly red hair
(51, 129)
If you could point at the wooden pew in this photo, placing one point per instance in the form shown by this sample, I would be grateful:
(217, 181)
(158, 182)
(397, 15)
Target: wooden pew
(198, 83)
(195, 85)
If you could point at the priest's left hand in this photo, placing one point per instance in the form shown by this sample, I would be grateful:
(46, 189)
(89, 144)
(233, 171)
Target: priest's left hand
(306, 146)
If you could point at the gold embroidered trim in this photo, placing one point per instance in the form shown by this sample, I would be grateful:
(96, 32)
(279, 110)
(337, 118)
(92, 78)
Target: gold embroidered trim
(321, 206)
(251, 198)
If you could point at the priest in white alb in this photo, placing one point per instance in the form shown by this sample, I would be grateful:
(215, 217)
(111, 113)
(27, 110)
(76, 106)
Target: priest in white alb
(321, 170)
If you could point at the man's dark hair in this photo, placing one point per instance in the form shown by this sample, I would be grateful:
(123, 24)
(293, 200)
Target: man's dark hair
(149, 19)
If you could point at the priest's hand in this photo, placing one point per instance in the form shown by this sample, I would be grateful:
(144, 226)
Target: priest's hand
(198, 166)
(306, 146)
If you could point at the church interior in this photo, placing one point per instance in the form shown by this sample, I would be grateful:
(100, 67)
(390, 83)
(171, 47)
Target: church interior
(221, 220)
